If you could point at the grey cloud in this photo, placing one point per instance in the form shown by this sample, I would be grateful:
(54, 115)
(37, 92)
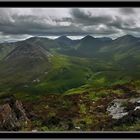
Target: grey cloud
(127, 11)
(87, 19)
(123, 24)
(32, 26)
(102, 31)
(76, 22)
(28, 24)
(66, 19)
(80, 16)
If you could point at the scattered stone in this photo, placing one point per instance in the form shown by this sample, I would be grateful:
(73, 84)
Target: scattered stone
(36, 80)
(77, 127)
(137, 107)
(134, 100)
(26, 86)
(45, 72)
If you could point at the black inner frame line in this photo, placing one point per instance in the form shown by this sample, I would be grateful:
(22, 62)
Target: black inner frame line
(74, 4)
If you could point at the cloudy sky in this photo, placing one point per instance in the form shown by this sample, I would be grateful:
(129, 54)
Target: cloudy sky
(21, 23)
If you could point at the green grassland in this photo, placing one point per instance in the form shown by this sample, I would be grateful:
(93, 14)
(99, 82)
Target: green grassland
(70, 75)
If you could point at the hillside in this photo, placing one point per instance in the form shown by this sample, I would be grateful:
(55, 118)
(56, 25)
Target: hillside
(67, 84)
(24, 63)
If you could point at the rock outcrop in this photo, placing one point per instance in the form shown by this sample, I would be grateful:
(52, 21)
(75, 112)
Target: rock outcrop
(12, 115)
(124, 110)
(116, 109)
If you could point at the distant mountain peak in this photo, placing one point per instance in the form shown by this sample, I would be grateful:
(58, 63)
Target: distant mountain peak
(127, 36)
(88, 38)
(27, 50)
(63, 37)
(64, 40)
(35, 38)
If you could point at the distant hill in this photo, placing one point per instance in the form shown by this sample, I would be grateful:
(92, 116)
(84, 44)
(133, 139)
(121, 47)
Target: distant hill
(24, 62)
(66, 42)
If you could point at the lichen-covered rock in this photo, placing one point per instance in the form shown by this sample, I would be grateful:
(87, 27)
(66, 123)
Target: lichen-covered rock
(124, 111)
(116, 110)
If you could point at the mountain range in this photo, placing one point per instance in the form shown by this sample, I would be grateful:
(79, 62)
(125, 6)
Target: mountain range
(68, 63)
(64, 84)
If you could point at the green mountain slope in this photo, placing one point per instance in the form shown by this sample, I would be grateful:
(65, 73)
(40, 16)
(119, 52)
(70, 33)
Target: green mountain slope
(24, 63)
(38, 63)
(6, 48)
